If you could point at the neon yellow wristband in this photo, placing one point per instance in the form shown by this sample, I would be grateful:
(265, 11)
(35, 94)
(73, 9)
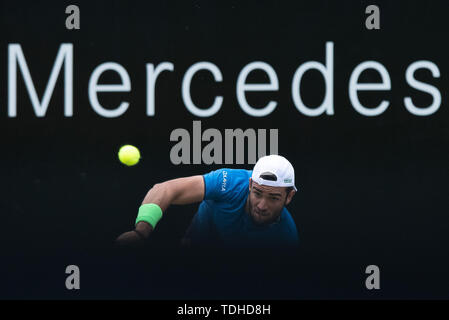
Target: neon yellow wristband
(150, 213)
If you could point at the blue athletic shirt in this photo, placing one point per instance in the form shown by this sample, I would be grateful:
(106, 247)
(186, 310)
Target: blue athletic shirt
(221, 217)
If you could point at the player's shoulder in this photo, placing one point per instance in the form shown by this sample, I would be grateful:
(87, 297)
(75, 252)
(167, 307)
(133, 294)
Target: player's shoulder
(225, 183)
(287, 218)
(288, 223)
(226, 174)
(231, 171)
(239, 172)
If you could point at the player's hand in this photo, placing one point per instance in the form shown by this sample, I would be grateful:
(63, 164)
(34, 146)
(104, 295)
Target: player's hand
(135, 237)
(130, 239)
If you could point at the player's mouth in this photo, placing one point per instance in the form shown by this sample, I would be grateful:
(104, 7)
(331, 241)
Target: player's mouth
(260, 213)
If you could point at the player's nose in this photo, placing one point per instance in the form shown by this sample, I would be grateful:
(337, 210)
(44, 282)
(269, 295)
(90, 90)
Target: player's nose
(262, 205)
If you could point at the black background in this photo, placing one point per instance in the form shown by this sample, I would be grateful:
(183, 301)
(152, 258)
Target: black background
(373, 190)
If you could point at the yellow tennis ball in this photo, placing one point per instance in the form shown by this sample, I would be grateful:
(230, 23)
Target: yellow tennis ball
(129, 155)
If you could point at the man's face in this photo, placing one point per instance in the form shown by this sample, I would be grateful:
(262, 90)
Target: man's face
(266, 203)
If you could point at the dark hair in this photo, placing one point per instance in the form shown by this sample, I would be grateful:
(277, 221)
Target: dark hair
(287, 190)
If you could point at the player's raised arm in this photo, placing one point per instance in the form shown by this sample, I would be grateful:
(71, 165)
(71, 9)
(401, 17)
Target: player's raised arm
(185, 190)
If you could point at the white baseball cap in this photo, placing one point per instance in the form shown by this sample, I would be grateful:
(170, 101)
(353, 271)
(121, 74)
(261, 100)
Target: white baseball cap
(278, 166)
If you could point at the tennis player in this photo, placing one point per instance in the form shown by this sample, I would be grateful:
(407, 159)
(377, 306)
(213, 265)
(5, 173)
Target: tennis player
(238, 207)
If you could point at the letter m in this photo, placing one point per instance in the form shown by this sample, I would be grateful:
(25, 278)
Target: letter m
(15, 57)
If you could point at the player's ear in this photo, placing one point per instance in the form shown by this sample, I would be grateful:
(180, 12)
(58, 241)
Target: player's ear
(290, 196)
(250, 184)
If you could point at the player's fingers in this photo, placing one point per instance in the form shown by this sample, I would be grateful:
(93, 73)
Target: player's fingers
(128, 238)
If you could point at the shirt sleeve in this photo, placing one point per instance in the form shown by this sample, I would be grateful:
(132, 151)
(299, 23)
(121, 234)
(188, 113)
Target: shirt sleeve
(216, 185)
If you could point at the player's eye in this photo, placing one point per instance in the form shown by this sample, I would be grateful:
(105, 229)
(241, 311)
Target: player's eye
(274, 198)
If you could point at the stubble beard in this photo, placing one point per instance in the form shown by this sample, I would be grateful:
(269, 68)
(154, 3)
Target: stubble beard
(256, 218)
